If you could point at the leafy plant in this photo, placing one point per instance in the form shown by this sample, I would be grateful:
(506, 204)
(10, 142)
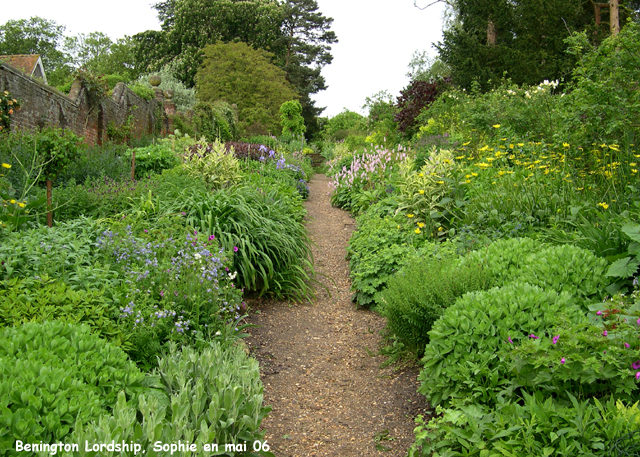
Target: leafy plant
(8, 106)
(153, 159)
(291, 118)
(417, 295)
(55, 377)
(212, 163)
(462, 362)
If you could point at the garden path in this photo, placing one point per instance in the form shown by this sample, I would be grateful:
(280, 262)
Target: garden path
(319, 361)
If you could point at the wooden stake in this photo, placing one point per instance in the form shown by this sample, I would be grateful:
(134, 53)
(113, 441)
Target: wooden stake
(133, 165)
(49, 205)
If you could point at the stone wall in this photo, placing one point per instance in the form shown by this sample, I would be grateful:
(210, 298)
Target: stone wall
(43, 106)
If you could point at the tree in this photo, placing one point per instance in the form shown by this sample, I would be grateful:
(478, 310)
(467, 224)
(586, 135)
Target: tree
(343, 124)
(241, 75)
(291, 118)
(96, 52)
(307, 40)
(413, 99)
(190, 25)
(38, 36)
(523, 38)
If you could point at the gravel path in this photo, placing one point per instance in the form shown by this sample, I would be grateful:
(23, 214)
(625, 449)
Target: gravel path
(319, 361)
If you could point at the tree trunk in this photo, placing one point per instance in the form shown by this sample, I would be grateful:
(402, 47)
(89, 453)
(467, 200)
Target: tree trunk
(49, 205)
(491, 33)
(614, 16)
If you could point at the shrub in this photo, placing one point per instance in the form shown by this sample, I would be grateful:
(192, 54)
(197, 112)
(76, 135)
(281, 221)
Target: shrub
(54, 377)
(96, 163)
(153, 159)
(462, 364)
(216, 396)
(417, 296)
(215, 121)
(212, 163)
(539, 426)
(38, 300)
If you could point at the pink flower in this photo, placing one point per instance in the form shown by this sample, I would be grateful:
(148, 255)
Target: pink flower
(626, 345)
(562, 361)
(212, 237)
(599, 313)
(638, 321)
(235, 249)
(604, 333)
(636, 365)
(556, 338)
(638, 375)
(510, 340)
(534, 337)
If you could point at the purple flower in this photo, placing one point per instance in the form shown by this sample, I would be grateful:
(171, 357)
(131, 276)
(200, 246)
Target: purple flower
(556, 338)
(638, 375)
(510, 340)
(604, 333)
(562, 361)
(235, 249)
(636, 365)
(184, 214)
(212, 237)
(599, 313)
(638, 321)
(534, 337)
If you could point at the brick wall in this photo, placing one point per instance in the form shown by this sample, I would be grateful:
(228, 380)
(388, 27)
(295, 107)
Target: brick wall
(42, 106)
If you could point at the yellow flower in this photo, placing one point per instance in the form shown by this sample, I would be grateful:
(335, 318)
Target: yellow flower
(398, 226)
(420, 224)
(565, 145)
(439, 182)
(6, 165)
(409, 215)
(520, 144)
(417, 231)
(496, 126)
(421, 175)
(613, 148)
(440, 229)
(604, 205)
(633, 164)
(461, 157)
(474, 174)
(466, 144)
(12, 201)
(633, 170)
(21, 205)
(421, 191)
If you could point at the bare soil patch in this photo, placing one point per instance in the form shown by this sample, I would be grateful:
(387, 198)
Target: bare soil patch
(319, 361)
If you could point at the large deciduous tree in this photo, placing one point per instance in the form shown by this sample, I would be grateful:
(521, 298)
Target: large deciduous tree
(189, 25)
(238, 74)
(37, 36)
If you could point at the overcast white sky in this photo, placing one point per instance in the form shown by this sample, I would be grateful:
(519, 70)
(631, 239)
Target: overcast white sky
(376, 37)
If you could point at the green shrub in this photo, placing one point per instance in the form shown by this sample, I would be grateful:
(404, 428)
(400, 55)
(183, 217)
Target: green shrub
(417, 295)
(462, 362)
(215, 121)
(54, 377)
(212, 163)
(216, 397)
(38, 300)
(153, 159)
(96, 163)
(503, 258)
(539, 426)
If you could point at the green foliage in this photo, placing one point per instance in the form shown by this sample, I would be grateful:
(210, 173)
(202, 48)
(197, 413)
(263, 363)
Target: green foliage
(56, 148)
(55, 377)
(95, 163)
(8, 106)
(215, 121)
(462, 362)
(215, 395)
(528, 44)
(538, 426)
(38, 36)
(142, 91)
(153, 159)
(264, 225)
(291, 118)
(241, 75)
(604, 103)
(43, 299)
(213, 164)
(417, 296)
(343, 124)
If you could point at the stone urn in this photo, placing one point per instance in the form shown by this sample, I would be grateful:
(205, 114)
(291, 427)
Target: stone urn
(155, 80)
(168, 94)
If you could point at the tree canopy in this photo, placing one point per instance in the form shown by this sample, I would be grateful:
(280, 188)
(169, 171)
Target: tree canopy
(238, 74)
